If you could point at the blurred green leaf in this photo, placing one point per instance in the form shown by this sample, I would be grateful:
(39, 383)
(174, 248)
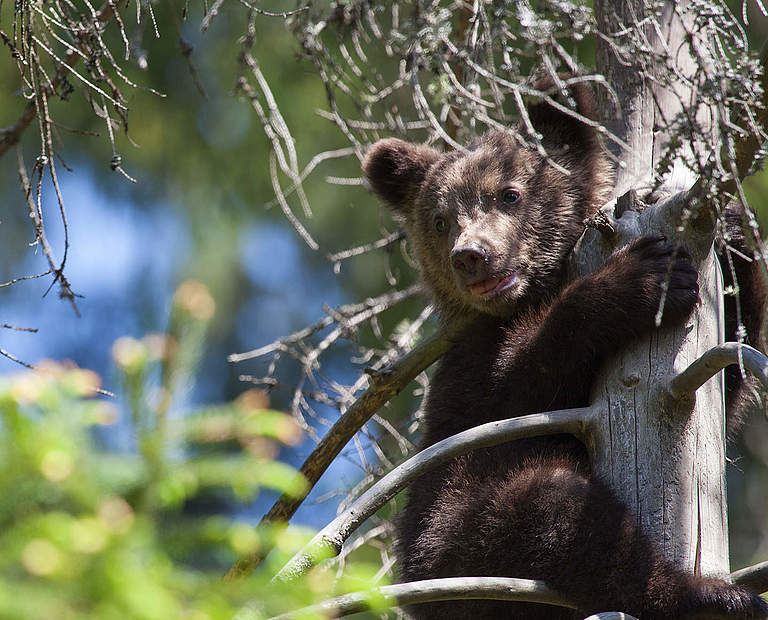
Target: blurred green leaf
(93, 534)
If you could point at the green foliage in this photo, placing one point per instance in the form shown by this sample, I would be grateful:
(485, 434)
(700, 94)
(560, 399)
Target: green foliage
(88, 533)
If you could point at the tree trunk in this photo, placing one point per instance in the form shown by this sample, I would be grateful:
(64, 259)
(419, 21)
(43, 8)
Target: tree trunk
(664, 458)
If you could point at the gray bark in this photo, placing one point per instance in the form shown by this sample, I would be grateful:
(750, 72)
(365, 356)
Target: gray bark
(664, 457)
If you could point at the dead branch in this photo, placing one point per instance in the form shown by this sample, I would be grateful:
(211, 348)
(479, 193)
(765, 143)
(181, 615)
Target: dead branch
(328, 542)
(19, 279)
(347, 316)
(384, 242)
(753, 578)
(17, 328)
(13, 358)
(35, 214)
(713, 361)
(12, 134)
(720, 180)
(429, 590)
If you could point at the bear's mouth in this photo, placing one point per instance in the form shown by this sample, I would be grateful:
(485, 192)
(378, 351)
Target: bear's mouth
(493, 286)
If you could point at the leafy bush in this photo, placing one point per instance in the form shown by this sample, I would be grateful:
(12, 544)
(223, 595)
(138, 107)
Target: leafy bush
(143, 533)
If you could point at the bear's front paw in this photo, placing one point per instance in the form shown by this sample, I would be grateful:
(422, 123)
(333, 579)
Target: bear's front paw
(657, 276)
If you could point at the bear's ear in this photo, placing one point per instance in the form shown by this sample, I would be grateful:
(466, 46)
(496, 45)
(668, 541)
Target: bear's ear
(396, 170)
(560, 130)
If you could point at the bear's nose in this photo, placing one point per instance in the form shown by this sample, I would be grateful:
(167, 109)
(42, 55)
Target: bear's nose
(468, 259)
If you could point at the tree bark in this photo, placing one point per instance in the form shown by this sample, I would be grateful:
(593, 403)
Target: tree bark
(664, 457)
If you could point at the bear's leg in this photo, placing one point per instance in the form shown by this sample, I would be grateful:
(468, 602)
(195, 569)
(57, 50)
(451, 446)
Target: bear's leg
(587, 547)
(548, 521)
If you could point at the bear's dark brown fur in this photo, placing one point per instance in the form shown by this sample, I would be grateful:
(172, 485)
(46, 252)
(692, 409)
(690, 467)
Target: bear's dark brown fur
(491, 228)
(744, 309)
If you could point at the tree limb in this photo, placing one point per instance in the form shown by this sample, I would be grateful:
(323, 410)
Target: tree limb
(384, 385)
(430, 590)
(713, 361)
(328, 542)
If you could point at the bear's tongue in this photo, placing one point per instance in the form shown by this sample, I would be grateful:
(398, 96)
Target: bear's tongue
(492, 285)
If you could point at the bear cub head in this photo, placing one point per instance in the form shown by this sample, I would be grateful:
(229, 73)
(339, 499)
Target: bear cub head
(492, 225)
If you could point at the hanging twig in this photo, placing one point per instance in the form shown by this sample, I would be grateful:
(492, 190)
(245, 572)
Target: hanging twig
(11, 135)
(36, 216)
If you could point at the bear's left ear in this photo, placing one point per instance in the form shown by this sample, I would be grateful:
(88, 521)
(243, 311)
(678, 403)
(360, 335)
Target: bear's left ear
(396, 170)
(574, 144)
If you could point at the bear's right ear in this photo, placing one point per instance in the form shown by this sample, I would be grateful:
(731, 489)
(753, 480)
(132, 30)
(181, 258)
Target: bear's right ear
(396, 170)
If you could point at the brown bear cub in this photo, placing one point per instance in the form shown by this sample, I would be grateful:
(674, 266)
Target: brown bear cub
(491, 228)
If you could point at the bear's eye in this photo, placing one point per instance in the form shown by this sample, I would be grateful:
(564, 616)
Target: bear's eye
(441, 224)
(510, 195)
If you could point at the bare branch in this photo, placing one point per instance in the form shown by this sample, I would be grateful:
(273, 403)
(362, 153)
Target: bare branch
(13, 358)
(347, 316)
(17, 328)
(35, 214)
(713, 361)
(429, 590)
(328, 542)
(384, 385)
(362, 249)
(282, 14)
(11, 135)
(313, 163)
(15, 280)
